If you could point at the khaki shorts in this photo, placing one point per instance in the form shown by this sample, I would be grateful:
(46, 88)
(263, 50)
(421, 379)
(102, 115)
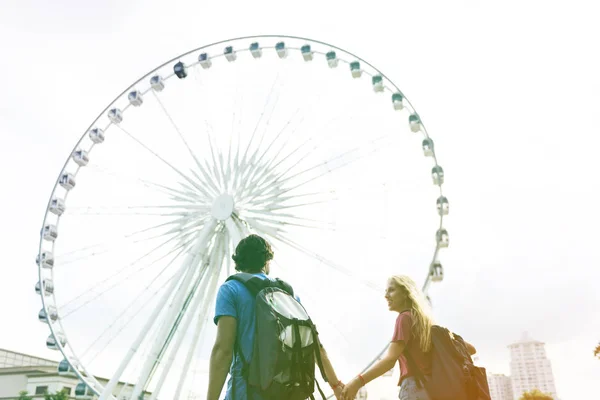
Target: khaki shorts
(410, 391)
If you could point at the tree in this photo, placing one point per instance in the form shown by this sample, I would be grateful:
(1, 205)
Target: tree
(62, 395)
(23, 395)
(535, 394)
(597, 351)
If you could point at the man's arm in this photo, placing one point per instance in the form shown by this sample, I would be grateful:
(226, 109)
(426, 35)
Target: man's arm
(332, 378)
(328, 368)
(221, 356)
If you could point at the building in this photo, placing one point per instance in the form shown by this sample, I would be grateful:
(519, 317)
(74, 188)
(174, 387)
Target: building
(10, 359)
(22, 372)
(500, 387)
(530, 368)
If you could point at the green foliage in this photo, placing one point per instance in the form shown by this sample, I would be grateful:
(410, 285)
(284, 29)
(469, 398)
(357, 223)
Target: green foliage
(535, 395)
(56, 396)
(23, 395)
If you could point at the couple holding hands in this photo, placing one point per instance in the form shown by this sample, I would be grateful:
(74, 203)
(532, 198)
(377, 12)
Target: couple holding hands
(236, 316)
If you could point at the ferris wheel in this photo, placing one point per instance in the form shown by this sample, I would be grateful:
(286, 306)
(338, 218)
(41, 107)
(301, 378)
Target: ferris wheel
(293, 139)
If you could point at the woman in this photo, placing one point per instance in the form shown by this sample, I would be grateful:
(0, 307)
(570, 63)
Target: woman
(412, 333)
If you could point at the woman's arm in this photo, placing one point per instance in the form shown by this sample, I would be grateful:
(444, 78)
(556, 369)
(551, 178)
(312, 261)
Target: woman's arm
(388, 361)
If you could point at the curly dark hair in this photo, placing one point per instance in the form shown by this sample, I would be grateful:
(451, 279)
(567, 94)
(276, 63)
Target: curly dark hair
(252, 254)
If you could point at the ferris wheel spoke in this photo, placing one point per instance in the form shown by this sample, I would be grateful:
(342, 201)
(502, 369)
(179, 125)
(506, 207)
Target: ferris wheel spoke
(181, 136)
(257, 166)
(208, 190)
(319, 225)
(277, 190)
(208, 179)
(244, 165)
(288, 156)
(203, 321)
(343, 158)
(276, 138)
(267, 167)
(260, 200)
(236, 109)
(172, 319)
(124, 240)
(179, 224)
(205, 288)
(249, 166)
(316, 139)
(264, 229)
(270, 167)
(181, 237)
(282, 217)
(165, 162)
(99, 294)
(260, 118)
(215, 165)
(326, 262)
(147, 184)
(128, 308)
(224, 175)
(192, 258)
(151, 210)
(268, 207)
(312, 105)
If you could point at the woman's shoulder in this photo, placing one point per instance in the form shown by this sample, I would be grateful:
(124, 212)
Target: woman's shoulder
(406, 314)
(404, 318)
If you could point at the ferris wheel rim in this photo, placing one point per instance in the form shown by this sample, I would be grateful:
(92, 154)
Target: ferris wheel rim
(80, 369)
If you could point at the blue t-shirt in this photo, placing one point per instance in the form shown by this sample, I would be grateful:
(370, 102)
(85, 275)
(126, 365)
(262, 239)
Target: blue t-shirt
(235, 300)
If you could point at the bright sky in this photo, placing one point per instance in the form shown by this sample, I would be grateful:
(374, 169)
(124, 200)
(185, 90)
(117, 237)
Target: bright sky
(508, 91)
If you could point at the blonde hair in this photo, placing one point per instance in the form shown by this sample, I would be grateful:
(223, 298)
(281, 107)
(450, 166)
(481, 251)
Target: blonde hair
(420, 310)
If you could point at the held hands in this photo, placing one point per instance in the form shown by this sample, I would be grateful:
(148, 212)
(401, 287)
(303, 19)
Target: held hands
(350, 389)
(337, 390)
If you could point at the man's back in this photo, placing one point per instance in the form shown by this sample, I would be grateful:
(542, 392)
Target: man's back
(235, 300)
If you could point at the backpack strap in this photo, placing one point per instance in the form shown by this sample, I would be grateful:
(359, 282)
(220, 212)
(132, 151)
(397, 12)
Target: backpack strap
(286, 287)
(252, 282)
(317, 349)
(245, 369)
(255, 284)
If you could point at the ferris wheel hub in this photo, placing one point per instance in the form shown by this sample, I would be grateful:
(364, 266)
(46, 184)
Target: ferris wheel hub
(222, 207)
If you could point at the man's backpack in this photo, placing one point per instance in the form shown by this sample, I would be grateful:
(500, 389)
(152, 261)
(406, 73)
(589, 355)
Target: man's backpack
(453, 375)
(286, 343)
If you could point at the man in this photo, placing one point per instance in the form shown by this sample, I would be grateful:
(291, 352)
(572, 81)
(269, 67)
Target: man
(234, 317)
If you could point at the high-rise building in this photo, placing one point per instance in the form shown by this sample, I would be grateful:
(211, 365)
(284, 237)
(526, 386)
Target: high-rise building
(530, 368)
(500, 387)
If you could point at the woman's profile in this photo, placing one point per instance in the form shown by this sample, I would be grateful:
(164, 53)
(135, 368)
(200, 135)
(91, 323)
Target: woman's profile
(411, 334)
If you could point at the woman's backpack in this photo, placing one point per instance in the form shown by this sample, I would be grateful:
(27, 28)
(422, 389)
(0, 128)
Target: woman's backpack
(286, 343)
(453, 375)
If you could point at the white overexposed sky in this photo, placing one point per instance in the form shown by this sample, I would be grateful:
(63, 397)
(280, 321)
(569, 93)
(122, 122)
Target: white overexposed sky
(509, 90)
